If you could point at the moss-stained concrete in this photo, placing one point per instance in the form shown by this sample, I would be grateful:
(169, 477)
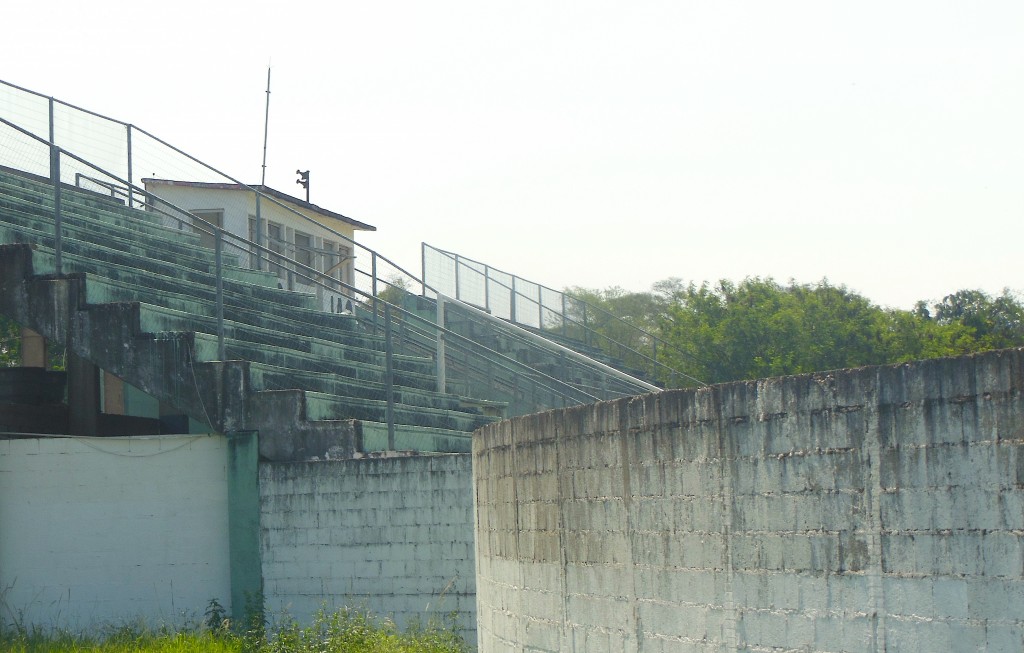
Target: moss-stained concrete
(244, 521)
(864, 510)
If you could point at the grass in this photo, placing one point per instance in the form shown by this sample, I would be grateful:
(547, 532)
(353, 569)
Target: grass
(344, 631)
(124, 641)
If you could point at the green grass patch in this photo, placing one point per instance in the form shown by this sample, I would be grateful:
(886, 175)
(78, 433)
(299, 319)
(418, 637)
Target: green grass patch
(343, 631)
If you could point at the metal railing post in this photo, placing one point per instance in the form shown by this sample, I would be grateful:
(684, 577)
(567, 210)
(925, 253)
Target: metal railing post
(540, 307)
(373, 287)
(442, 381)
(423, 266)
(515, 300)
(58, 246)
(259, 234)
(131, 181)
(389, 377)
(457, 294)
(218, 248)
(563, 314)
(487, 288)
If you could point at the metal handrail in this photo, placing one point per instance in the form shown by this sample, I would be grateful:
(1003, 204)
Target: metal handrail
(372, 297)
(523, 334)
(313, 275)
(515, 293)
(543, 381)
(263, 196)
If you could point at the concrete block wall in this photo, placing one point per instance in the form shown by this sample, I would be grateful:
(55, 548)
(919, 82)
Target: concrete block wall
(875, 509)
(391, 535)
(103, 530)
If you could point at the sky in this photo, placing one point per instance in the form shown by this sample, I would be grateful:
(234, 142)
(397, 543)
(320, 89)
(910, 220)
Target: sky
(878, 145)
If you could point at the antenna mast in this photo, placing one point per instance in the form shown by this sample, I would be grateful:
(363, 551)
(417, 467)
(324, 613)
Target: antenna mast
(266, 125)
(263, 181)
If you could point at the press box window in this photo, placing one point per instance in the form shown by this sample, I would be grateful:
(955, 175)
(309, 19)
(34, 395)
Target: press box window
(304, 252)
(215, 218)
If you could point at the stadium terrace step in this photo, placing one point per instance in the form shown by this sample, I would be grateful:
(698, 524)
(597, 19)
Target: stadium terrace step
(335, 382)
(419, 438)
(139, 300)
(324, 407)
(408, 371)
(95, 232)
(83, 205)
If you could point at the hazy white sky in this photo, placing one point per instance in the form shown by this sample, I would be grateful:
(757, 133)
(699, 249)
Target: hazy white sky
(878, 144)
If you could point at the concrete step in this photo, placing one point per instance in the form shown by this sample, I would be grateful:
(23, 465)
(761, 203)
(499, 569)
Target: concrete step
(38, 185)
(414, 438)
(194, 269)
(329, 326)
(118, 269)
(75, 206)
(270, 377)
(167, 243)
(320, 406)
(150, 281)
(408, 372)
(164, 363)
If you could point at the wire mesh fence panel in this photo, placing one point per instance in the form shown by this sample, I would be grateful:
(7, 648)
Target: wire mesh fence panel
(587, 328)
(21, 152)
(229, 231)
(499, 291)
(27, 110)
(551, 303)
(102, 141)
(472, 283)
(154, 159)
(439, 271)
(527, 303)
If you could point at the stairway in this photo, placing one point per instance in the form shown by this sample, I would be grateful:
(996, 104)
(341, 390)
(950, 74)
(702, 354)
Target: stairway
(138, 300)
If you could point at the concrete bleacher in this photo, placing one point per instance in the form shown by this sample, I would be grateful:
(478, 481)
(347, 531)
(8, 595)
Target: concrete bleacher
(138, 300)
(569, 372)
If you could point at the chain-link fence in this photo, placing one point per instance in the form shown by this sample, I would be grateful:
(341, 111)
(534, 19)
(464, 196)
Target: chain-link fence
(310, 250)
(556, 315)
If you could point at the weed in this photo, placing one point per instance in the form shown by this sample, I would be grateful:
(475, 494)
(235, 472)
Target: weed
(216, 617)
(342, 631)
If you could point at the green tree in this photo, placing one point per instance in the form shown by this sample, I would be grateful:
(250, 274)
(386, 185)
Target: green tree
(760, 328)
(995, 322)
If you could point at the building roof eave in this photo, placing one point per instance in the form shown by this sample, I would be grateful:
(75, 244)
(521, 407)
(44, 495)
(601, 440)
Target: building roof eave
(276, 194)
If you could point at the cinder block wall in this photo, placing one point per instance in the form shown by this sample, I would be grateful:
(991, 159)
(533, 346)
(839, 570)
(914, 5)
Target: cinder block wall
(391, 535)
(875, 509)
(102, 530)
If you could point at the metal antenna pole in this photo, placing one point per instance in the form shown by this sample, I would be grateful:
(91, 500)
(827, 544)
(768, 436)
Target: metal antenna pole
(266, 124)
(263, 179)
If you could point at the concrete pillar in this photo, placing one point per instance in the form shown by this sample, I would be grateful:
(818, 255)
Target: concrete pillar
(83, 396)
(244, 525)
(33, 349)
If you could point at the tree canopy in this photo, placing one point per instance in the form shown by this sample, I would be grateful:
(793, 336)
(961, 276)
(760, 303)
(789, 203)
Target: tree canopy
(758, 327)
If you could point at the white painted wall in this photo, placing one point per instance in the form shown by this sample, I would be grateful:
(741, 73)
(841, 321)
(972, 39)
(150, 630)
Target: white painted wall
(238, 205)
(94, 530)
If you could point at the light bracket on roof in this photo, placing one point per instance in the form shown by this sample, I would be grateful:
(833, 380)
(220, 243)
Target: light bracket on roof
(303, 181)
